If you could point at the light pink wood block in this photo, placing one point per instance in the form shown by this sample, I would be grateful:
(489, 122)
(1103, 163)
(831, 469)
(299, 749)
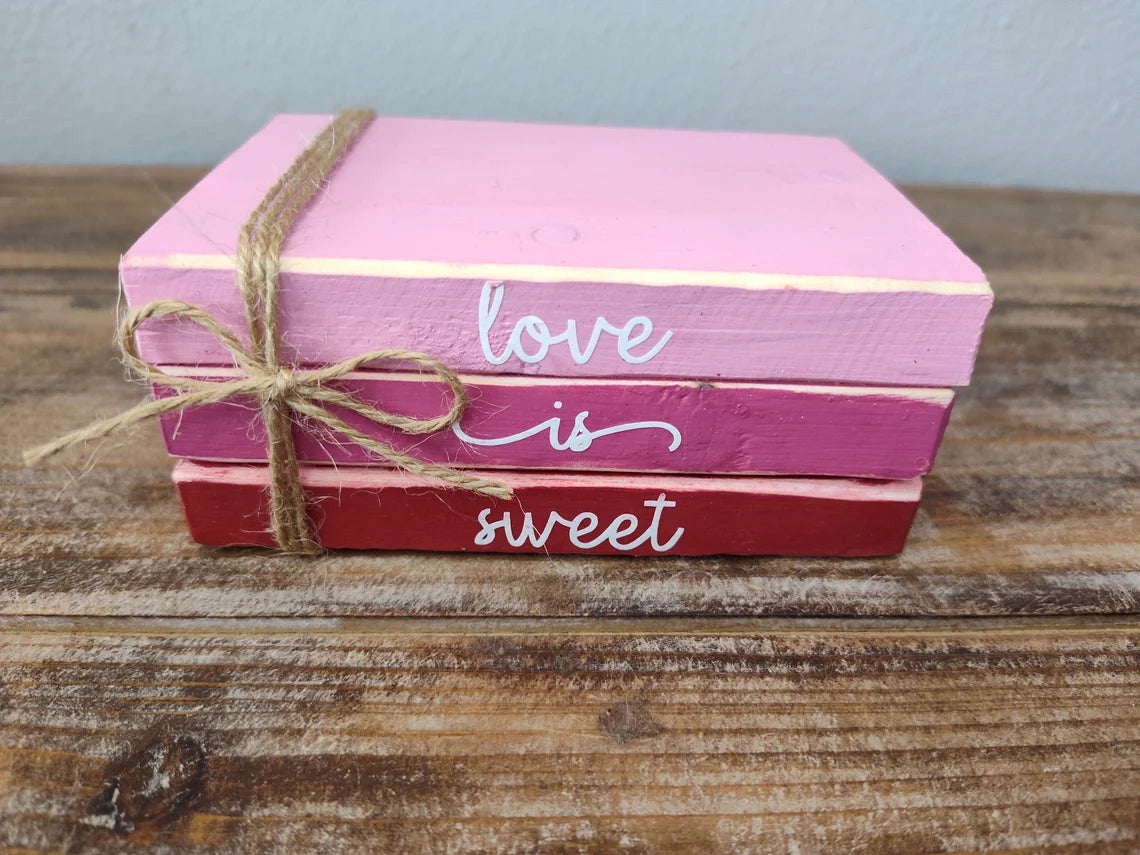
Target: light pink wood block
(603, 251)
(368, 508)
(642, 425)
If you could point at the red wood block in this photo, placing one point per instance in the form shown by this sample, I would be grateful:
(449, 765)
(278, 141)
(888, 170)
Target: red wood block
(368, 508)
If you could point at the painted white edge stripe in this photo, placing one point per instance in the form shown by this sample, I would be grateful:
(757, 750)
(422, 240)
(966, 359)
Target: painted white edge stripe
(553, 274)
(942, 397)
(316, 475)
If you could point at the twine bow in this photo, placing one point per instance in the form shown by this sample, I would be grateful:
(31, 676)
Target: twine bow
(279, 389)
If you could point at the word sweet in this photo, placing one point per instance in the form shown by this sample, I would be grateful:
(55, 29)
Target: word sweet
(636, 330)
(623, 526)
(580, 437)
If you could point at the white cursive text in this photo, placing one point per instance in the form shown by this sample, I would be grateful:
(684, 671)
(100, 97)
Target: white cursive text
(623, 526)
(580, 437)
(636, 331)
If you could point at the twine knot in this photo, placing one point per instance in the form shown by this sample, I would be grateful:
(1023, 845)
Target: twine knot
(281, 389)
(285, 383)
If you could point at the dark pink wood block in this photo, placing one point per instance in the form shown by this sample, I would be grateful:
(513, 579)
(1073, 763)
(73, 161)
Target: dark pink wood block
(640, 425)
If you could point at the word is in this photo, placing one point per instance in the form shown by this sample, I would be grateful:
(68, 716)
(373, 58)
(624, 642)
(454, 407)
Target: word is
(637, 330)
(580, 437)
(584, 524)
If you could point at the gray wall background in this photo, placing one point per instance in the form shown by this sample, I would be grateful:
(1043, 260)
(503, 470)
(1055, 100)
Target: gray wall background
(1026, 92)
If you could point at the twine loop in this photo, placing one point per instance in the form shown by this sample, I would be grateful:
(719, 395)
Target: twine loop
(283, 391)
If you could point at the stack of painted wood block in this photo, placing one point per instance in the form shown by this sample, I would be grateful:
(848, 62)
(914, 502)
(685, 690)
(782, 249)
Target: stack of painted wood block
(674, 342)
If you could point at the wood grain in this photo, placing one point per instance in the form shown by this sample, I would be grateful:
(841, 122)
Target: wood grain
(161, 707)
(564, 736)
(1033, 507)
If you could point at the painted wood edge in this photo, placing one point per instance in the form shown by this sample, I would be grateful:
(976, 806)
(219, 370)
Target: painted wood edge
(500, 469)
(923, 394)
(368, 477)
(550, 274)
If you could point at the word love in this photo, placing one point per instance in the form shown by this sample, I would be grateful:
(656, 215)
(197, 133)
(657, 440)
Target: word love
(580, 437)
(620, 534)
(636, 331)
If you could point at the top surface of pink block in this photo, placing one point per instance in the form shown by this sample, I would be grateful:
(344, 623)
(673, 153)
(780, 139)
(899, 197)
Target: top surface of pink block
(458, 192)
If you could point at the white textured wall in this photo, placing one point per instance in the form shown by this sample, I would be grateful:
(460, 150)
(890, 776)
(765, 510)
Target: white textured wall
(1037, 92)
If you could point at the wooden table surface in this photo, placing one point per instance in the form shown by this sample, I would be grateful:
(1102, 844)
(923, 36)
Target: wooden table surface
(979, 692)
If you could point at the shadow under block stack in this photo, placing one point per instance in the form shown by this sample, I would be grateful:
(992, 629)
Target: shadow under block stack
(673, 342)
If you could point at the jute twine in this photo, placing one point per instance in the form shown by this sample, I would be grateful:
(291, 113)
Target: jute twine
(281, 390)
